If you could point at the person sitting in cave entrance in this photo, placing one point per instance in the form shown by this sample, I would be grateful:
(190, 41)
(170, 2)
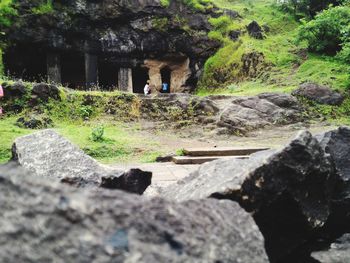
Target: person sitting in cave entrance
(147, 88)
(165, 87)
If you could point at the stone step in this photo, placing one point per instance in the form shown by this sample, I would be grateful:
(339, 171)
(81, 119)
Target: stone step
(223, 151)
(202, 159)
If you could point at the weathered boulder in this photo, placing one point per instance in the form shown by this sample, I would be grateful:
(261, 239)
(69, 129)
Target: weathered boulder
(16, 90)
(289, 193)
(15, 96)
(234, 35)
(34, 121)
(253, 64)
(250, 113)
(255, 30)
(134, 180)
(336, 143)
(320, 94)
(44, 92)
(339, 251)
(177, 106)
(48, 154)
(231, 13)
(43, 221)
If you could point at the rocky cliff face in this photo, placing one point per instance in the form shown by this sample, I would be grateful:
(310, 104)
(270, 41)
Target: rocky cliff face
(81, 42)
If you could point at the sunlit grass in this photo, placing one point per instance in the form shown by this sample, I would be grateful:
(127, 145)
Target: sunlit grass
(121, 143)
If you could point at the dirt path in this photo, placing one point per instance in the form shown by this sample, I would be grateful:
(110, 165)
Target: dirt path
(195, 136)
(170, 141)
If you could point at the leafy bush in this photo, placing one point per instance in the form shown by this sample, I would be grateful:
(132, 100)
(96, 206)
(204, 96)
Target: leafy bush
(308, 7)
(329, 32)
(45, 8)
(165, 3)
(85, 111)
(97, 134)
(7, 12)
(200, 5)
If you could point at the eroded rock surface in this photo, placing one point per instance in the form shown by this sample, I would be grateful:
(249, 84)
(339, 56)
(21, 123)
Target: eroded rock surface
(251, 113)
(288, 191)
(339, 251)
(48, 154)
(44, 221)
(319, 93)
(225, 114)
(336, 143)
(44, 92)
(255, 30)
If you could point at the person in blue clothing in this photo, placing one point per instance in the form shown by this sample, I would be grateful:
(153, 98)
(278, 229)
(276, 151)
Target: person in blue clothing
(165, 88)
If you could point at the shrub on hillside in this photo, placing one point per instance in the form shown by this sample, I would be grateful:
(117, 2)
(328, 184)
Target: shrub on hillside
(7, 11)
(308, 7)
(329, 32)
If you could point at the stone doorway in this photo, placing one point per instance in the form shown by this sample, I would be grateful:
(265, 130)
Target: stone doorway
(26, 62)
(73, 70)
(107, 76)
(173, 70)
(139, 79)
(166, 78)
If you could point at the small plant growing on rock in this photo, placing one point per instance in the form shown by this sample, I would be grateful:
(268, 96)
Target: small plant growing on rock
(97, 134)
(180, 152)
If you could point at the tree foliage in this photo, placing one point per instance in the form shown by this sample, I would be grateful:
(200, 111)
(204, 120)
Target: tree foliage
(329, 32)
(309, 7)
(7, 11)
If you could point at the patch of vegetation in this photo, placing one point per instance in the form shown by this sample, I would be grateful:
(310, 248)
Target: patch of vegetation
(165, 3)
(338, 115)
(287, 61)
(308, 8)
(120, 142)
(7, 13)
(180, 152)
(200, 5)
(46, 7)
(329, 32)
(97, 134)
(160, 23)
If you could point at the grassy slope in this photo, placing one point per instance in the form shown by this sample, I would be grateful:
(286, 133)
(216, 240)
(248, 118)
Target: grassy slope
(121, 143)
(280, 49)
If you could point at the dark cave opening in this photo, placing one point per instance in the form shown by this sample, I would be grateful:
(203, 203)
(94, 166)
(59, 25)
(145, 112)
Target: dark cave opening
(27, 62)
(73, 70)
(107, 75)
(166, 79)
(139, 79)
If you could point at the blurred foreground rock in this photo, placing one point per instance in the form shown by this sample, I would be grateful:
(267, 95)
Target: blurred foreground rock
(288, 191)
(339, 251)
(44, 221)
(48, 154)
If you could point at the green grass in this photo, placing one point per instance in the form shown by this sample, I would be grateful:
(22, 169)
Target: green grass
(121, 143)
(286, 64)
(246, 88)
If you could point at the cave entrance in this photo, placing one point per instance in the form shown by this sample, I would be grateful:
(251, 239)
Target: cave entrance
(73, 70)
(166, 79)
(107, 75)
(140, 77)
(27, 62)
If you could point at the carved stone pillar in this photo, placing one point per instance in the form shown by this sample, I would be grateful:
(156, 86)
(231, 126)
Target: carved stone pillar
(54, 68)
(125, 79)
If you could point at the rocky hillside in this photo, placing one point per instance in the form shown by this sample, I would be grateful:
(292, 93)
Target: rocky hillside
(51, 38)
